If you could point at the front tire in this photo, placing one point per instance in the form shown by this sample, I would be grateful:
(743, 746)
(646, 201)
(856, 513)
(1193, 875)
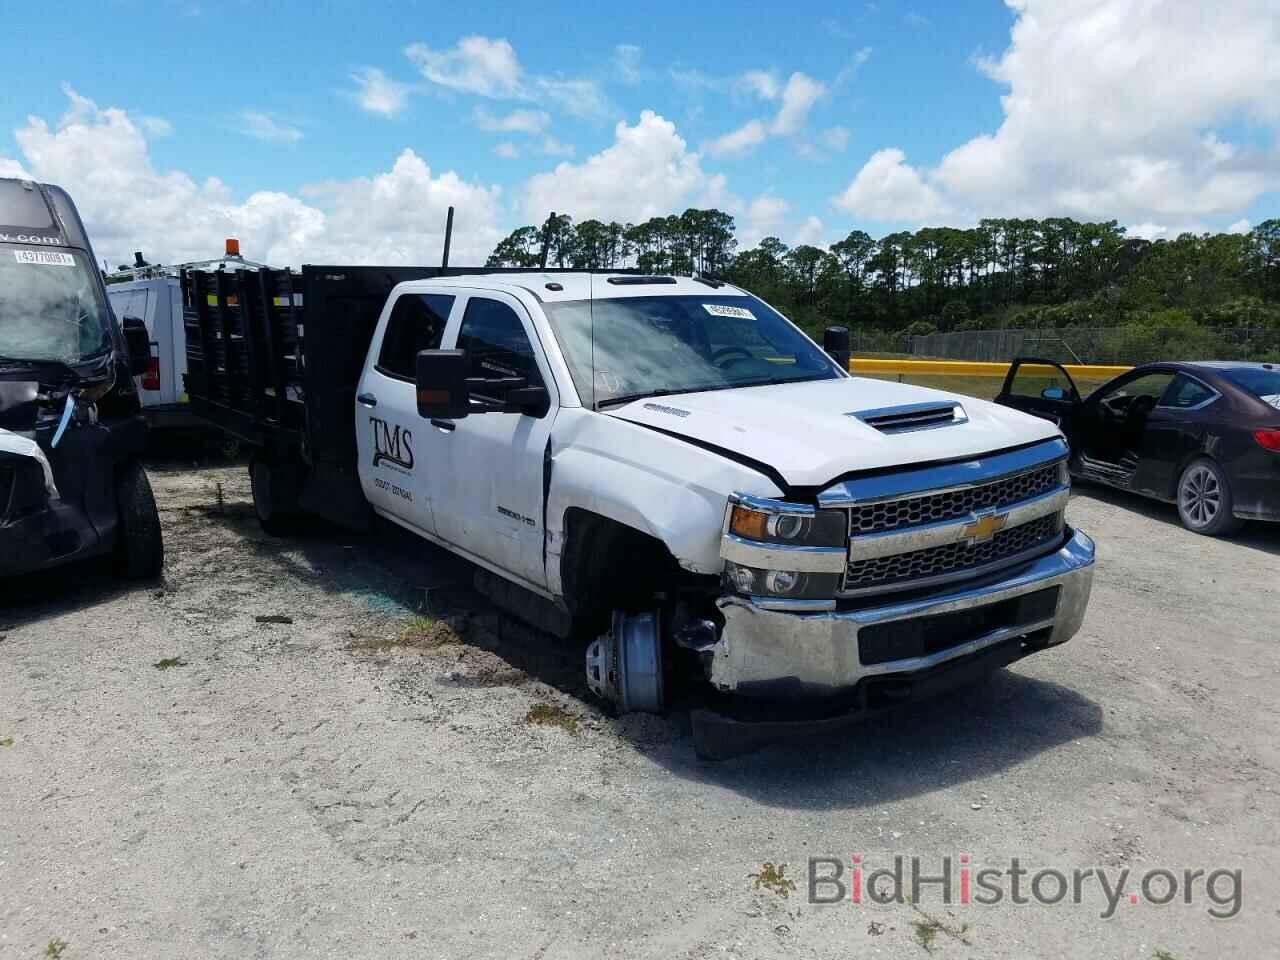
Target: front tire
(139, 543)
(1204, 499)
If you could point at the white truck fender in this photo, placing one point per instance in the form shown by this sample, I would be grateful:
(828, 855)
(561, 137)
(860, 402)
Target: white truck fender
(658, 484)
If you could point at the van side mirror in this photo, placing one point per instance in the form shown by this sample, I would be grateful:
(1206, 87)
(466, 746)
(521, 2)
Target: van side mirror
(835, 341)
(138, 343)
(443, 393)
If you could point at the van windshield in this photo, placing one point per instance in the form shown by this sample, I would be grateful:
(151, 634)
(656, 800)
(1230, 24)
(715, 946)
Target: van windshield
(51, 308)
(624, 348)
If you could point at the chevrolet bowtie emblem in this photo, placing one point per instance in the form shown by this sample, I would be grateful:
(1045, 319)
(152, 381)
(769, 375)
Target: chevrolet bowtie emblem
(984, 528)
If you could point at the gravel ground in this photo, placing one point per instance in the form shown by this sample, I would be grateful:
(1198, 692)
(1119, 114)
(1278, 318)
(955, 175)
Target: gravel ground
(179, 778)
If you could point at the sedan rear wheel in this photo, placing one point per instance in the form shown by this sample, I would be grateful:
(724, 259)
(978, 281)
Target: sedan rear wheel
(1204, 499)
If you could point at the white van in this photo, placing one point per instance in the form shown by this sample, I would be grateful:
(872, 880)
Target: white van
(158, 304)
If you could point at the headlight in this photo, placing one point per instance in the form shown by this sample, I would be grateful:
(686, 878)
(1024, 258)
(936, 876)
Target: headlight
(773, 548)
(777, 522)
(781, 583)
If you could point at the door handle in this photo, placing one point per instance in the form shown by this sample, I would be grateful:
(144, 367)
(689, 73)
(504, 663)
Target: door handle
(368, 399)
(448, 426)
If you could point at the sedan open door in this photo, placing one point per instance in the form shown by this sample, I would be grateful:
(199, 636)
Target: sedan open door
(1042, 388)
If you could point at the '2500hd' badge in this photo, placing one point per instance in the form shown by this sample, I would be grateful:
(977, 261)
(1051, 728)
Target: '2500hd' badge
(392, 443)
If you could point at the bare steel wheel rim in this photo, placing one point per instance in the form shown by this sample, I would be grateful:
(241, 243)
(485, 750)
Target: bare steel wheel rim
(1201, 496)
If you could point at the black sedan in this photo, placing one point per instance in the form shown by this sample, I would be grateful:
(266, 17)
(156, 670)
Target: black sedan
(1205, 436)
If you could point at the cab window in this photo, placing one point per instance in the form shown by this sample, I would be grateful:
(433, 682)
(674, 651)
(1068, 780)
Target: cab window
(416, 323)
(1186, 392)
(496, 342)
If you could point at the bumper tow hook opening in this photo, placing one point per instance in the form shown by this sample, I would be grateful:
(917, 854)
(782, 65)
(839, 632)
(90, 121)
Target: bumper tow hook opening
(624, 666)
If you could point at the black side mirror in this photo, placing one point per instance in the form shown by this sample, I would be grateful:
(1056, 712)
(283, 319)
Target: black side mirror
(443, 393)
(533, 401)
(138, 342)
(835, 341)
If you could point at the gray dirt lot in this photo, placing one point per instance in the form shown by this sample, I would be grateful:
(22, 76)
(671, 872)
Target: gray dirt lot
(310, 789)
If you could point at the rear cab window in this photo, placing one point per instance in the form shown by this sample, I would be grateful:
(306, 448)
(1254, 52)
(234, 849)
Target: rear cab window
(416, 323)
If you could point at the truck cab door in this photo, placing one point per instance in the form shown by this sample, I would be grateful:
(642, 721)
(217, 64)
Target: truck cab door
(492, 465)
(396, 475)
(1044, 389)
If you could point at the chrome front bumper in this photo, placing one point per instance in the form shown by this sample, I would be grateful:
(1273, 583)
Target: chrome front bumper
(774, 654)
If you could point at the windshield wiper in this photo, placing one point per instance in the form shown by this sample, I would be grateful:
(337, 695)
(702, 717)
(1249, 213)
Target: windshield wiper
(630, 397)
(710, 388)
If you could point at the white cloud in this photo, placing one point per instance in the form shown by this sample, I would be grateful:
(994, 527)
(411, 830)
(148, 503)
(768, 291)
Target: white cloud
(554, 148)
(763, 83)
(835, 138)
(626, 61)
(797, 98)
(886, 188)
(377, 93)
(1240, 226)
(263, 126)
(582, 98)
(517, 121)
(1119, 110)
(12, 168)
(747, 137)
(799, 95)
(811, 232)
(646, 172)
(102, 157)
(155, 126)
(765, 216)
(507, 150)
(488, 68)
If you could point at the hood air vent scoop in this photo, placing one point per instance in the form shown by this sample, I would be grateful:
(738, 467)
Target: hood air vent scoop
(913, 416)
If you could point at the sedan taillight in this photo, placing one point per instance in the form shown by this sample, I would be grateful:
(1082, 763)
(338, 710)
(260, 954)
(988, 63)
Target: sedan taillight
(1269, 439)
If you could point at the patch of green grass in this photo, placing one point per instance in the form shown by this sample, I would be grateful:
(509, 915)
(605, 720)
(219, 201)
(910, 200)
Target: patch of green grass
(774, 877)
(6, 742)
(168, 663)
(928, 928)
(552, 715)
(1162, 955)
(421, 633)
(55, 947)
(926, 933)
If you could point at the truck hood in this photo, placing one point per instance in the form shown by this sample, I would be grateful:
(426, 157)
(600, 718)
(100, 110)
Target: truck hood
(810, 432)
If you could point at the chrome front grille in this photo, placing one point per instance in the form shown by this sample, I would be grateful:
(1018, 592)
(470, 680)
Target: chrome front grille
(936, 524)
(931, 508)
(960, 557)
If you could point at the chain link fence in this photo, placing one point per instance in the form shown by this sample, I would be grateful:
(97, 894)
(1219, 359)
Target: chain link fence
(1108, 345)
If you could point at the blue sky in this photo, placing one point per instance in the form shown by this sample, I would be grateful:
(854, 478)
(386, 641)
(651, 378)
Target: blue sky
(264, 97)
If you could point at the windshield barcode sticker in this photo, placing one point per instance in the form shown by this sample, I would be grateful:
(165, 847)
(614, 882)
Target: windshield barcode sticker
(720, 310)
(45, 258)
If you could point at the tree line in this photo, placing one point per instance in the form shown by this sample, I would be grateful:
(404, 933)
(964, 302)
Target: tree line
(1002, 273)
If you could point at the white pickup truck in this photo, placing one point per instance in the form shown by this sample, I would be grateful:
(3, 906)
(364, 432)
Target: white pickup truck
(671, 465)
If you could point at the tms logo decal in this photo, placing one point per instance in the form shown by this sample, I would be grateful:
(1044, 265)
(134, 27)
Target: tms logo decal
(391, 443)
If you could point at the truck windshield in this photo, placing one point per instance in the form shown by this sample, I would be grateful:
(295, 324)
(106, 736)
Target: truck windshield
(625, 348)
(50, 306)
